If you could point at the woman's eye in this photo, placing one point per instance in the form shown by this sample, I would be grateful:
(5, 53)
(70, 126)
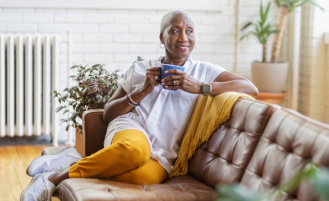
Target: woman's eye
(174, 31)
(189, 31)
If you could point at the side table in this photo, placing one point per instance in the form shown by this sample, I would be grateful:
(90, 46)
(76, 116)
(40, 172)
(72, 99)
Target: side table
(275, 98)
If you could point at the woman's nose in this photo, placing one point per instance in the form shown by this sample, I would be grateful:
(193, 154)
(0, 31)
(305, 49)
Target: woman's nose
(183, 36)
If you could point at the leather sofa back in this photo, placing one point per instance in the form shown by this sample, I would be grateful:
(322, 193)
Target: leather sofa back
(94, 131)
(290, 141)
(223, 159)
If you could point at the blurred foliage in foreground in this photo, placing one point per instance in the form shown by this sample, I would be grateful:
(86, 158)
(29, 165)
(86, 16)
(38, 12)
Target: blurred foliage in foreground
(319, 179)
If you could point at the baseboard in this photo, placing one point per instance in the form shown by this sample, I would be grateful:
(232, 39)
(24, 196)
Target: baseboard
(23, 140)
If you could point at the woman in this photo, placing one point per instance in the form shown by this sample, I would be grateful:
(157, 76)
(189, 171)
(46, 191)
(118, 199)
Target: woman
(146, 121)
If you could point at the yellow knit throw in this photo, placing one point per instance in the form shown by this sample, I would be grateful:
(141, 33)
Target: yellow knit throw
(208, 114)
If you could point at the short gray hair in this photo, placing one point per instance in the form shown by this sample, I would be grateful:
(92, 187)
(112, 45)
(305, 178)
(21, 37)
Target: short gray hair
(168, 17)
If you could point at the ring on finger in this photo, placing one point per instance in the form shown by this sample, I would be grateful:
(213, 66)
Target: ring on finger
(176, 82)
(156, 77)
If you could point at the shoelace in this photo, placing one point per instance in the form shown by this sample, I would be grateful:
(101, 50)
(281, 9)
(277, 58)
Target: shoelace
(61, 167)
(57, 168)
(42, 194)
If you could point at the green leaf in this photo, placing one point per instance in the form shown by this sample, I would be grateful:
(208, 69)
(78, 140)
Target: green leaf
(321, 183)
(277, 3)
(290, 5)
(63, 120)
(261, 12)
(246, 26)
(75, 66)
(314, 3)
(237, 192)
(267, 9)
(96, 65)
(262, 29)
(67, 127)
(60, 108)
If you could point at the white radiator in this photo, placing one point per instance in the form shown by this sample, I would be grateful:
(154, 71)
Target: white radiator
(28, 66)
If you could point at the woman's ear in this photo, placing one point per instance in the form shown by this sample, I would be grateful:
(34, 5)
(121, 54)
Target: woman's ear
(161, 38)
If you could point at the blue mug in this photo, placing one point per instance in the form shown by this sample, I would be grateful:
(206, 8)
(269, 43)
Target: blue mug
(166, 67)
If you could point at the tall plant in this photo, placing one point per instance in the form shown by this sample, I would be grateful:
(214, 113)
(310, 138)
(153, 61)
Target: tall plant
(285, 7)
(262, 29)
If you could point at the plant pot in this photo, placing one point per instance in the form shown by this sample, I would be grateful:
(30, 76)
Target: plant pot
(269, 77)
(78, 141)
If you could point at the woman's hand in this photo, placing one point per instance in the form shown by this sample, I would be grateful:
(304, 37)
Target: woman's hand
(150, 81)
(185, 82)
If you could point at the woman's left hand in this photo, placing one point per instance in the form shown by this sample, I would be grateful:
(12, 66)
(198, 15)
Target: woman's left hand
(185, 82)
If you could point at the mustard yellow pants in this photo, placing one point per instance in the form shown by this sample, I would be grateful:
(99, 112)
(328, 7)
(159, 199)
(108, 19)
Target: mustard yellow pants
(127, 159)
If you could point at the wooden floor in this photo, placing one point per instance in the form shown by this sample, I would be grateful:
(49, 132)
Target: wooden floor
(13, 163)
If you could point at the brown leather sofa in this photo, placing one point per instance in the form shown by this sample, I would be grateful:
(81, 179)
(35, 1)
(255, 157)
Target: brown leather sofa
(261, 146)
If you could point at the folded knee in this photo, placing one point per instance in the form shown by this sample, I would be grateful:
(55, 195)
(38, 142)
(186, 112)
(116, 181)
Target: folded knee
(139, 153)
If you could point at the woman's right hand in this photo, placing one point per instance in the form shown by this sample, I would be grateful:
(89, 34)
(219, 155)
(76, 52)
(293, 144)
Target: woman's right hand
(150, 81)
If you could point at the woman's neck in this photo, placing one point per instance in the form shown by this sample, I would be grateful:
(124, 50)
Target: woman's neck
(174, 61)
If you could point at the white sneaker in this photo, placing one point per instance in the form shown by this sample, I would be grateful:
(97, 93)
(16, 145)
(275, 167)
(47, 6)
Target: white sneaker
(39, 189)
(55, 162)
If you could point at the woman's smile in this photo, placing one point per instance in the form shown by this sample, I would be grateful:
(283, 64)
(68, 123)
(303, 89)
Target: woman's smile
(183, 47)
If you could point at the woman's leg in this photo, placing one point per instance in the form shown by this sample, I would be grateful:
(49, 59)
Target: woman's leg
(150, 173)
(129, 149)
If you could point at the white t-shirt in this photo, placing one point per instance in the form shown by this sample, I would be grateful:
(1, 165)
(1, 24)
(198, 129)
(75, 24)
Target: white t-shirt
(162, 115)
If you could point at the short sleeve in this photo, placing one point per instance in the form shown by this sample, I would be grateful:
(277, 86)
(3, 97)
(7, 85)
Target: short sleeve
(134, 77)
(127, 81)
(213, 71)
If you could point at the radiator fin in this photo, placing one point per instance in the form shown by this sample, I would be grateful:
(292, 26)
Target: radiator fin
(27, 77)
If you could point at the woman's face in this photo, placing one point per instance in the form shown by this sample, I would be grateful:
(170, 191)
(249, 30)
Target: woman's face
(179, 40)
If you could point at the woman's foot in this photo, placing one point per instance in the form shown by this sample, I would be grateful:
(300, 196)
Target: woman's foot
(39, 189)
(55, 162)
(58, 177)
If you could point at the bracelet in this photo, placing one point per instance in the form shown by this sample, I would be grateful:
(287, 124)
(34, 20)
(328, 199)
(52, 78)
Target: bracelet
(129, 96)
(134, 104)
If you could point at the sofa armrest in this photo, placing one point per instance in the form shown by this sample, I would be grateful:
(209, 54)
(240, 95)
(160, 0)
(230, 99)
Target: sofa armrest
(93, 131)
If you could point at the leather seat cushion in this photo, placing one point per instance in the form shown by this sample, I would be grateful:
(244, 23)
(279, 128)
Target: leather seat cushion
(52, 150)
(177, 188)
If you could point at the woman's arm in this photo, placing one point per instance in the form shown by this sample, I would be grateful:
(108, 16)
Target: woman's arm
(225, 82)
(118, 103)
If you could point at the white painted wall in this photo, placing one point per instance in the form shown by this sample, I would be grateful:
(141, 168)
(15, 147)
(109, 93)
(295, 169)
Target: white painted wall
(117, 36)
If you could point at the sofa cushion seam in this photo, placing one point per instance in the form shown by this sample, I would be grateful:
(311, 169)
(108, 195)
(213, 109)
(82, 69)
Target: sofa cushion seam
(68, 191)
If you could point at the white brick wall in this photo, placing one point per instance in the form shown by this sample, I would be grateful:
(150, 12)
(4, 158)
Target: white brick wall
(10, 17)
(38, 17)
(117, 37)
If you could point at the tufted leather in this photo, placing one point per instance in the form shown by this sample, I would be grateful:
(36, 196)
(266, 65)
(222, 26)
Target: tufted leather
(290, 140)
(261, 146)
(225, 156)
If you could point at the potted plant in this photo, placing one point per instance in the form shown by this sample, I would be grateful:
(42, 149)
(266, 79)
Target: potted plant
(271, 77)
(94, 86)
